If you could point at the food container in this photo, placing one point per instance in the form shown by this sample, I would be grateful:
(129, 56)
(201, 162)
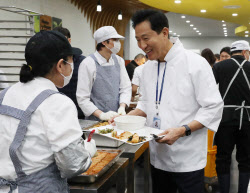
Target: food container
(92, 178)
(130, 122)
(100, 141)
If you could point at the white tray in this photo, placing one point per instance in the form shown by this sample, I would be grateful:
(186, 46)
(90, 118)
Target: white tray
(145, 131)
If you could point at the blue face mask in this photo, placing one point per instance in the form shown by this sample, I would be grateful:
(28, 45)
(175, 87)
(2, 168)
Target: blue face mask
(67, 78)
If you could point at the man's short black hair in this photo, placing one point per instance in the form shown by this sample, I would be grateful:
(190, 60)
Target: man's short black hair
(100, 45)
(157, 19)
(63, 30)
(226, 49)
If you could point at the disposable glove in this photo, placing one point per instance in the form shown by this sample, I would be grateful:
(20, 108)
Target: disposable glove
(121, 111)
(108, 115)
(90, 147)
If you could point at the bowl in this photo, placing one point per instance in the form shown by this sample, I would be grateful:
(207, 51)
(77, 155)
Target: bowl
(130, 122)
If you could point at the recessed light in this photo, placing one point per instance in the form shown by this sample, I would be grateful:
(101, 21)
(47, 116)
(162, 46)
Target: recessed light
(224, 28)
(199, 33)
(191, 25)
(246, 32)
(203, 11)
(246, 36)
(231, 6)
(170, 31)
(178, 35)
(174, 33)
(235, 14)
(224, 24)
(222, 21)
(177, 1)
(194, 28)
(187, 21)
(183, 16)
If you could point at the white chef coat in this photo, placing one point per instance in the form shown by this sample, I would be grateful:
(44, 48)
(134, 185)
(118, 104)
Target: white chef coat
(137, 75)
(86, 79)
(53, 126)
(189, 93)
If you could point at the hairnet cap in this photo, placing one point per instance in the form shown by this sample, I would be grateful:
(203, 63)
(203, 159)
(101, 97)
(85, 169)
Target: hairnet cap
(105, 33)
(239, 45)
(48, 47)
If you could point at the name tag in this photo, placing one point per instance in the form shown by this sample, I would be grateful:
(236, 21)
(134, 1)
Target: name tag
(156, 122)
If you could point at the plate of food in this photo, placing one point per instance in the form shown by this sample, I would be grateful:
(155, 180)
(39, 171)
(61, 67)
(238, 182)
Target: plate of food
(131, 137)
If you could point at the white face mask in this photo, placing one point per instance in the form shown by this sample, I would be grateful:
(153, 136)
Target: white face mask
(67, 78)
(116, 48)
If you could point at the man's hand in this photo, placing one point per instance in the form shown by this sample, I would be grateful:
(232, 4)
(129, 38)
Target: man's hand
(121, 110)
(106, 116)
(171, 135)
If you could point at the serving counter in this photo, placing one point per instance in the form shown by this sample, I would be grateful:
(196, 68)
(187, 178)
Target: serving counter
(131, 153)
(114, 176)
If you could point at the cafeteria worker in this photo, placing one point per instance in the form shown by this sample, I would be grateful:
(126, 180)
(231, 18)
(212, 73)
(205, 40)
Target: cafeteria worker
(40, 136)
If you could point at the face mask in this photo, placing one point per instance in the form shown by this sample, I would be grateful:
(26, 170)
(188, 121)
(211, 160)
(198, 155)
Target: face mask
(116, 48)
(67, 78)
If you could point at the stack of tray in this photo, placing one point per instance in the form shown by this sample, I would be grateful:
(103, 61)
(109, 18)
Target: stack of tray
(100, 141)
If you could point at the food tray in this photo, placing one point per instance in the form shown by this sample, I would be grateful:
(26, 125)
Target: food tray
(99, 140)
(145, 131)
(92, 178)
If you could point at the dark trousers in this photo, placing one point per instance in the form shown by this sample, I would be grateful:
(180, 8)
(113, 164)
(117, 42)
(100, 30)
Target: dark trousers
(225, 139)
(184, 182)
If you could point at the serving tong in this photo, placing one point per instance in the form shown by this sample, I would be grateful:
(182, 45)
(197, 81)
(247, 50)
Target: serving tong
(157, 137)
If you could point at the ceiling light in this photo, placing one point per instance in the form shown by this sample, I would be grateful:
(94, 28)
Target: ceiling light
(178, 35)
(183, 16)
(194, 28)
(177, 1)
(225, 35)
(120, 15)
(187, 21)
(246, 36)
(170, 31)
(231, 6)
(203, 11)
(191, 25)
(246, 32)
(99, 6)
(224, 24)
(235, 14)
(222, 21)
(199, 33)
(224, 28)
(174, 33)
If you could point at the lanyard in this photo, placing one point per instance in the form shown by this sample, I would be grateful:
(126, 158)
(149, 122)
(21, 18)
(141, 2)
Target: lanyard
(158, 102)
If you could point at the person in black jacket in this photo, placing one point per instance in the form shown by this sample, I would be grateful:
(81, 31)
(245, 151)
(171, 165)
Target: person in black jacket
(70, 89)
(233, 77)
(138, 60)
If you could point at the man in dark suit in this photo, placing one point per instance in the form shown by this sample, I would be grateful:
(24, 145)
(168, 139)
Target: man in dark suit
(138, 60)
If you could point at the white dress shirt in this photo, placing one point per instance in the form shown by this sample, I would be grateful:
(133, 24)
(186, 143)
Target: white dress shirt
(137, 75)
(86, 79)
(53, 126)
(189, 93)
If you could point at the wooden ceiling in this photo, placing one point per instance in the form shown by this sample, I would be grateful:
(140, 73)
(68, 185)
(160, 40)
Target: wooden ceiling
(109, 13)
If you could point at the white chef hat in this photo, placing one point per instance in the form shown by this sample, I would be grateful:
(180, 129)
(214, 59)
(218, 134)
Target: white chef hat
(105, 33)
(239, 45)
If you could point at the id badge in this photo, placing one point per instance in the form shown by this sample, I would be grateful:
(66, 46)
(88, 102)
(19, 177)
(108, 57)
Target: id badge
(157, 122)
